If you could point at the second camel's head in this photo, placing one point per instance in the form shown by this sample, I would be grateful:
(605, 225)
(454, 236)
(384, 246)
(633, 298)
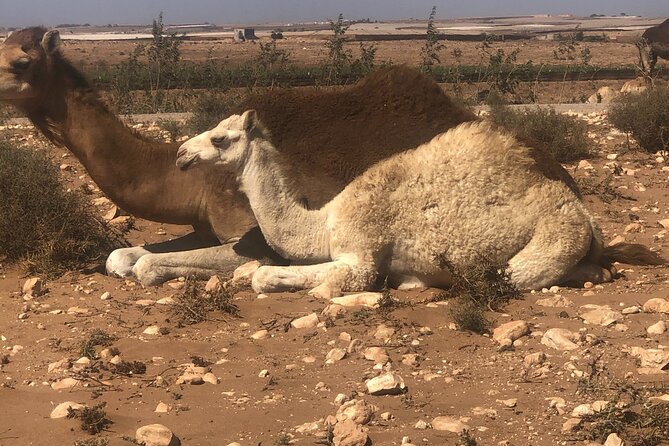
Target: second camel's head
(226, 144)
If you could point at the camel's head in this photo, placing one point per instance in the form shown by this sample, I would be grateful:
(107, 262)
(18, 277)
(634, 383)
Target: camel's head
(24, 58)
(225, 144)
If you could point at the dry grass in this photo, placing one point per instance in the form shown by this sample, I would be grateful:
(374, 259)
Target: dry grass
(645, 116)
(93, 419)
(194, 304)
(97, 338)
(42, 225)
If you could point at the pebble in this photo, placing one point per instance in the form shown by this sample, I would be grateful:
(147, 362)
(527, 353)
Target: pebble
(308, 321)
(162, 408)
(510, 331)
(560, 339)
(245, 272)
(600, 315)
(61, 410)
(652, 358)
(614, 440)
(65, 384)
(355, 300)
(449, 424)
(387, 384)
(376, 354)
(656, 305)
(557, 301)
(335, 355)
(105, 296)
(384, 333)
(152, 330)
(348, 433)
(156, 435)
(657, 328)
(260, 334)
(634, 309)
(34, 287)
(359, 411)
(420, 424)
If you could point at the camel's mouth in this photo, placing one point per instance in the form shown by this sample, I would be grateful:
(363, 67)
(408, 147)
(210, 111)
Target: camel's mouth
(184, 162)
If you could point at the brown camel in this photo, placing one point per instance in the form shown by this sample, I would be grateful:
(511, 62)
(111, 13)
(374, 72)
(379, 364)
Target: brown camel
(654, 43)
(348, 130)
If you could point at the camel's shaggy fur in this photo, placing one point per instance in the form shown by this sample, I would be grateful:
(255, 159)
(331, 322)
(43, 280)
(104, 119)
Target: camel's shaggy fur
(470, 192)
(654, 43)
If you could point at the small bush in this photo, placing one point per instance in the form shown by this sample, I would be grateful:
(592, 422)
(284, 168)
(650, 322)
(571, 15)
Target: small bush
(194, 304)
(93, 419)
(645, 116)
(564, 137)
(209, 109)
(97, 338)
(49, 229)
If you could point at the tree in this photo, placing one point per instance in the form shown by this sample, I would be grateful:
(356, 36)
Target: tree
(430, 51)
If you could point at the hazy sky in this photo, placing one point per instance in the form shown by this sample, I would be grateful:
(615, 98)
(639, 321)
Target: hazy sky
(53, 12)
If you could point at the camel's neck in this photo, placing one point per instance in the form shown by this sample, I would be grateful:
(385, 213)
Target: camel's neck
(292, 230)
(137, 174)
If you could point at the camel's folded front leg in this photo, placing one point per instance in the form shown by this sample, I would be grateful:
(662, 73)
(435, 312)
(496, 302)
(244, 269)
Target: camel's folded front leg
(326, 279)
(154, 269)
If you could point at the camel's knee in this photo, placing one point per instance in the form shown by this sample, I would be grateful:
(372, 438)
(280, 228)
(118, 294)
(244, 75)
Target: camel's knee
(147, 270)
(121, 261)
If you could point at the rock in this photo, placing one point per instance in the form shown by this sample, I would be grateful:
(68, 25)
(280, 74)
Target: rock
(634, 86)
(348, 433)
(449, 424)
(657, 328)
(511, 402)
(634, 309)
(511, 330)
(410, 359)
(603, 316)
(582, 410)
(34, 287)
(309, 321)
(156, 435)
(656, 305)
(534, 358)
(387, 384)
(384, 333)
(359, 411)
(651, 358)
(571, 425)
(604, 95)
(614, 440)
(361, 299)
(376, 354)
(105, 296)
(152, 330)
(59, 366)
(210, 378)
(335, 355)
(260, 334)
(245, 272)
(664, 223)
(190, 378)
(65, 384)
(61, 410)
(162, 408)
(557, 301)
(169, 300)
(333, 311)
(585, 165)
(560, 339)
(421, 424)
(213, 284)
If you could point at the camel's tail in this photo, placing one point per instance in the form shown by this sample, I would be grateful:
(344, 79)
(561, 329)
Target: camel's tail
(630, 253)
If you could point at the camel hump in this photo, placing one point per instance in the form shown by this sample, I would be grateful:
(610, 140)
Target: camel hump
(658, 33)
(630, 253)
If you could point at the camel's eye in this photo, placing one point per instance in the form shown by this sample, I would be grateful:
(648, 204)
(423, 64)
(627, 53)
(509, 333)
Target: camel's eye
(20, 65)
(218, 140)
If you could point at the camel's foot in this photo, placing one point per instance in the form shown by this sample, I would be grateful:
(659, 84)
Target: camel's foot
(587, 272)
(121, 261)
(325, 291)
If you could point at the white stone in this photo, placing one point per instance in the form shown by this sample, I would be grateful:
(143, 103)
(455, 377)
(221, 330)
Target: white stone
(384, 333)
(511, 331)
(361, 299)
(156, 435)
(33, 287)
(348, 433)
(657, 328)
(360, 411)
(603, 316)
(656, 305)
(260, 334)
(245, 272)
(557, 301)
(152, 330)
(335, 355)
(560, 339)
(308, 321)
(61, 410)
(387, 384)
(449, 424)
(65, 384)
(376, 354)
(614, 440)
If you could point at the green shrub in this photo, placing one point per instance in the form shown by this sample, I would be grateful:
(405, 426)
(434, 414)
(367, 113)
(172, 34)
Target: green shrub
(564, 137)
(49, 229)
(209, 109)
(645, 116)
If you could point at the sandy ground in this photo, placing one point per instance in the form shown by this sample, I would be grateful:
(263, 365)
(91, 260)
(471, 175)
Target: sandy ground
(279, 387)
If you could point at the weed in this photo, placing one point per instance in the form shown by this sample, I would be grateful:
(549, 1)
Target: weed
(97, 338)
(172, 127)
(283, 440)
(338, 56)
(429, 54)
(208, 110)
(469, 315)
(361, 314)
(98, 441)
(564, 137)
(645, 116)
(93, 419)
(46, 227)
(603, 189)
(199, 361)
(194, 304)
(466, 439)
(129, 368)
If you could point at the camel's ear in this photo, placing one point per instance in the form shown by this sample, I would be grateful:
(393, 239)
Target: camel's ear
(51, 41)
(249, 120)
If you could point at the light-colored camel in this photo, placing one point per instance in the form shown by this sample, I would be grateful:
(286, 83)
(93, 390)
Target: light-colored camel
(140, 176)
(469, 193)
(654, 43)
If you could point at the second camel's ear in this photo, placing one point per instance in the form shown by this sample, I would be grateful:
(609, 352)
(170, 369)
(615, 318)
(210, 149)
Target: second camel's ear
(51, 41)
(249, 120)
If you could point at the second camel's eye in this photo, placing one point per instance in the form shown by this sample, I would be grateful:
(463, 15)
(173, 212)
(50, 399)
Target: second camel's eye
(218, 140)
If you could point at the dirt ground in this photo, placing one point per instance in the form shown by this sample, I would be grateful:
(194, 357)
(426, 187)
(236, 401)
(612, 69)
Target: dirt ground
(279, 388)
